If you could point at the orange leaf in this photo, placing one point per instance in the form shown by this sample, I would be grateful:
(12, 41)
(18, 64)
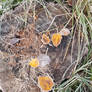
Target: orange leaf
(45, 83)
(45, 39)
(65, 32)
(34, 63)
(56, 39)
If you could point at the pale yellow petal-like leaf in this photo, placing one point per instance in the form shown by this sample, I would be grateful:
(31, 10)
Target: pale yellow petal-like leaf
(56, 39)
(45, 83)
(34, 63)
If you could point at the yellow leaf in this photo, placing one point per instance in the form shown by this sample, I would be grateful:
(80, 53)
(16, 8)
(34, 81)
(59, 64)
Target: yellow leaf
(34, 63)
(45, 39)
(56, 39)
(45, 83)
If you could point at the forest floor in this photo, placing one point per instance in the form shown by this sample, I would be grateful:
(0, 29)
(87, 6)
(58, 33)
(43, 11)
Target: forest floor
(27, 30)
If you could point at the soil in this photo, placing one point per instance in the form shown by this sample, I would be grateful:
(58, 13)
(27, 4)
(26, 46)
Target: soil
(20, 40)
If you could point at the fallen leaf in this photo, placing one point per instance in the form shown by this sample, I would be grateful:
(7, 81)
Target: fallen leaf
(45, 39)
(45, 83)
(56, 39)
(44, 60)
(34, 63)
(65, 32)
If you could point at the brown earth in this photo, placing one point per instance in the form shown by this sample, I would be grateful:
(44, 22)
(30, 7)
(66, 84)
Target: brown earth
(20, 40)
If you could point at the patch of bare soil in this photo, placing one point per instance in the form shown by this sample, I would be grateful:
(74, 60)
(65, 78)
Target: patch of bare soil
(20, 39)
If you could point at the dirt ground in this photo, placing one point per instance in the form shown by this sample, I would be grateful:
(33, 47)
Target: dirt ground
(20, 40)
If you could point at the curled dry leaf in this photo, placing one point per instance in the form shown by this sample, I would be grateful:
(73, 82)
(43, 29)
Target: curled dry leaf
(45, 39)
(65, 32)
(56, 39)
(45, 83)
(34, 63)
